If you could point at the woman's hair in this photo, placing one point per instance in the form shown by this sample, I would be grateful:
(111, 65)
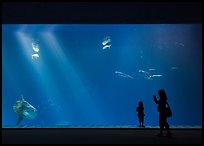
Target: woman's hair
(140, 103)
(162, 95)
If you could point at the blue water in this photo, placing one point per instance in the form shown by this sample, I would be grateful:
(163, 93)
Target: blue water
(74, 82)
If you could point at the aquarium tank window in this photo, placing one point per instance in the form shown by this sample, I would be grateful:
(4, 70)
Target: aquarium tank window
(94, 75)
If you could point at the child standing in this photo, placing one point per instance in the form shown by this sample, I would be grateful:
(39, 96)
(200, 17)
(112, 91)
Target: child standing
(140, 111)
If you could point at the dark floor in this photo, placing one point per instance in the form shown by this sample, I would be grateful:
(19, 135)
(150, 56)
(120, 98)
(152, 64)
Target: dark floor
(105, 136)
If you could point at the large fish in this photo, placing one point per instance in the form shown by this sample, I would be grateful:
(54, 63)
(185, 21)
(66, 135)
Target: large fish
(35, 47)
(147, 75)
(121, 74)
(25, 110)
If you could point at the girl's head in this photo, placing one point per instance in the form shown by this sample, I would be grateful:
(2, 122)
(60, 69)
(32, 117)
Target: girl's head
(162, 95)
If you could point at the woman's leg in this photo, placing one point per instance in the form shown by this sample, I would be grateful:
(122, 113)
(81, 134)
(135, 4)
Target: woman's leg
(167, 127)
(161, 123)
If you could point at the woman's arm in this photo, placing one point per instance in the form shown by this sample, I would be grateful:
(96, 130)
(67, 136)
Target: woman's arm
(155, 99)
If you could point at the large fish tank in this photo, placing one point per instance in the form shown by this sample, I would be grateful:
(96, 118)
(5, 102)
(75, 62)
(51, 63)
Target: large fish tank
(94, 75)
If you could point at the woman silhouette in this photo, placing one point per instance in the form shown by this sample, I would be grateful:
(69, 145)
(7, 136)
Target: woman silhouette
(162, 112)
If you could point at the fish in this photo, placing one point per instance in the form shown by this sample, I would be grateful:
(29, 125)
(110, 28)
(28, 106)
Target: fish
(24, 110)
(106, 41)
(173, 68)
(35, 47)
(35, 56)
(180, 44)
(152, 69)
(142, 71)
(121, 74)
(147, 75)
(152, 76)
(106, 47)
